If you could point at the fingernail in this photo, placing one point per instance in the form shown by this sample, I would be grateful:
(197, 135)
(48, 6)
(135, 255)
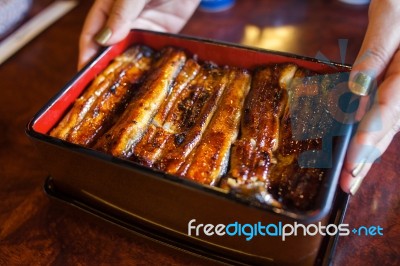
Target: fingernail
(103, 36)
(356, 185)
(361, 84)
(358, 168)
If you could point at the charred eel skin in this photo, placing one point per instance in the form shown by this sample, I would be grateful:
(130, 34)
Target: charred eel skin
(129, 128)
(302, 130)
(209, 161)
(93, 112)
(196, 107)
(164, 124)
(253, 153)
(266, 167)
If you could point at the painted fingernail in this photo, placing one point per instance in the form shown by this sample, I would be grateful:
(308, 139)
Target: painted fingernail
(361, 84)
(103, 36)
(358, 168)
(356, 185)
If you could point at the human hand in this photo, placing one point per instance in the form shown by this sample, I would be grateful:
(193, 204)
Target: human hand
(109, 21)
(378, 60)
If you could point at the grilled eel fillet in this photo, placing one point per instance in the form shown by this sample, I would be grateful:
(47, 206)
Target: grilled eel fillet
(209, 161)
(131, 125)
(290, 183)
(190, 115)
(93, 112)
(253, 153)
(284, 181)
(149, 148)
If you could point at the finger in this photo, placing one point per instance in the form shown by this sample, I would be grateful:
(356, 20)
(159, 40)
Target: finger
(119, 22)
(381, 41)
(360, 166)
(95, 20)
(167, 16)
(375, 131)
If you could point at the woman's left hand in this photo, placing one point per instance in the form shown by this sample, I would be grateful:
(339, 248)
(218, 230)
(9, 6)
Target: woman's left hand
(378, 59)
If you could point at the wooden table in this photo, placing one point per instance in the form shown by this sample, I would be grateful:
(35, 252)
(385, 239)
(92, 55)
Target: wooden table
(36, 231)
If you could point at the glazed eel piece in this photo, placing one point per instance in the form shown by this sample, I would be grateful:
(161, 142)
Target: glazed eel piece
(284, 181)
(131, 125)
(149, 148)
(110, 89)
(209, 161)
(293, 183)
(253, 153)
(192, 113)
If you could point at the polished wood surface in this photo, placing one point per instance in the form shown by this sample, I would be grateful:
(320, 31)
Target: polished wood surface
(34, 230)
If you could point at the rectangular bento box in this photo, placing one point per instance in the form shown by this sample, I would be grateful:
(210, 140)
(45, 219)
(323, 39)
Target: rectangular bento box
(165, 204)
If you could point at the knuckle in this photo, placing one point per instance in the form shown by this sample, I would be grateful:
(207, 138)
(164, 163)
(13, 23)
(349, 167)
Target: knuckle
(379, 56)
(118, 16)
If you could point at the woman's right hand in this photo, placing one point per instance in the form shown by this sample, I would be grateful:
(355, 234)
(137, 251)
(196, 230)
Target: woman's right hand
(109, 21)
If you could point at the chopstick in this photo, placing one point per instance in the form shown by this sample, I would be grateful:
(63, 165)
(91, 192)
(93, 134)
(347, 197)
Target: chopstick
(26, 32)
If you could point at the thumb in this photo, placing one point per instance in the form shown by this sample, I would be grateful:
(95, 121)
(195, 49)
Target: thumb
(118, 25)
(381, 41)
